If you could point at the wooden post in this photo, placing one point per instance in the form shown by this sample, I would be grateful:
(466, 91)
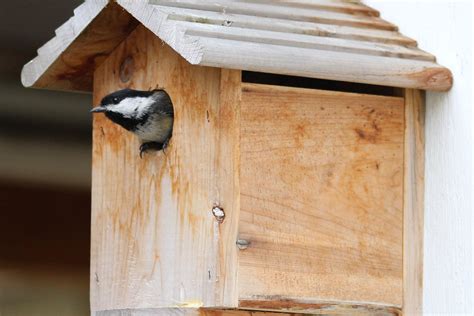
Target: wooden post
(413, 202)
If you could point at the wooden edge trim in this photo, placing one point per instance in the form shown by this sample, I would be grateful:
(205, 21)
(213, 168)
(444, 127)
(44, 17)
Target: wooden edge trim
(227, 172)
(330, 65)
(413, 202)
(300, 306)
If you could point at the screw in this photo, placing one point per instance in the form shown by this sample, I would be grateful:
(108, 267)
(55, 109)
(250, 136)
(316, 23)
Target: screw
(242, 244)
(218, 213)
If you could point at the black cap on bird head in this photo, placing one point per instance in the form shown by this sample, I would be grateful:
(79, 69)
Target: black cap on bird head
(117, 96)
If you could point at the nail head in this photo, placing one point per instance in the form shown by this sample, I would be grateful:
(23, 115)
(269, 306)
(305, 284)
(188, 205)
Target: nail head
(218, 213)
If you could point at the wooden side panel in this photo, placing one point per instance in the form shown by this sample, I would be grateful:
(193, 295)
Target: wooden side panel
(413, 202)
(321, 196)
(155, 241)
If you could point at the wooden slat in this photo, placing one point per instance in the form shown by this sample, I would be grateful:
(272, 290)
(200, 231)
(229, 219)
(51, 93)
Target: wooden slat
(276, 11)
(413, 202)
(321, 196)
(329, 5)
(285, 26)
(303, 41)
(227, 188)
(321, 64)
(283, 304)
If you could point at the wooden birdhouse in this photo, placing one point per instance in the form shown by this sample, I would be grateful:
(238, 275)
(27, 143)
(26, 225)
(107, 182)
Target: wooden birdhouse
(293, 181)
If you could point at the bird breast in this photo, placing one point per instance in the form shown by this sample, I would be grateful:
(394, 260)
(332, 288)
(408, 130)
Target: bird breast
(156, 129)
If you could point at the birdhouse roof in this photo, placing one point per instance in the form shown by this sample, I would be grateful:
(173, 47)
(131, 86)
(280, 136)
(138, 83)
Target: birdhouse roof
(326, 39)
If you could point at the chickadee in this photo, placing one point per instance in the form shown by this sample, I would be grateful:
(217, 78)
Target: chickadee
(148, 114)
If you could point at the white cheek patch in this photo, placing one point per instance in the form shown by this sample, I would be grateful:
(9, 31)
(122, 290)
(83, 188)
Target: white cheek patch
(132, 107)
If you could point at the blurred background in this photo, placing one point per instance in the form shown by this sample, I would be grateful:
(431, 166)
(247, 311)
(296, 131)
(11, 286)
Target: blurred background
(45, 157)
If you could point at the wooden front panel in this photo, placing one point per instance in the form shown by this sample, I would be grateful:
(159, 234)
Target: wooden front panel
(321, 197)
(155, 241)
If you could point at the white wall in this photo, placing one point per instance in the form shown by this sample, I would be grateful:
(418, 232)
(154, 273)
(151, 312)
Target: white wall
(444, 28)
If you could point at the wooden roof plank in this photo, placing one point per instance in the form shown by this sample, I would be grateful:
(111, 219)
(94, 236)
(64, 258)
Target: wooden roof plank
(303, 41)
(273, 10)
(377, 70)
(329, 5)
(282, 25)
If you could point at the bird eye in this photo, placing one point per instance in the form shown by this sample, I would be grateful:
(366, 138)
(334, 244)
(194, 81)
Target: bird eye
(115, 100)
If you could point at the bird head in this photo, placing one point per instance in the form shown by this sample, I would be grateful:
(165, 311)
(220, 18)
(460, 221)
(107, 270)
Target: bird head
(127, 103)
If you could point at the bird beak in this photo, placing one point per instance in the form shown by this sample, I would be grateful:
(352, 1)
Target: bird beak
(98, 109)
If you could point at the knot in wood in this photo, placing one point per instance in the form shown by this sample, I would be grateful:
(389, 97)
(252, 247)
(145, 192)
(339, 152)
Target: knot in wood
(126, 69)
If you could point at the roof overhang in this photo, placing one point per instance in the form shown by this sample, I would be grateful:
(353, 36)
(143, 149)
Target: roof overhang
(344, 41)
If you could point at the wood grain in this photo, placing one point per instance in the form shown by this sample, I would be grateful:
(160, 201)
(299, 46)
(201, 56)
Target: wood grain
(321, 196)
(413, 202)
(155, 242)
